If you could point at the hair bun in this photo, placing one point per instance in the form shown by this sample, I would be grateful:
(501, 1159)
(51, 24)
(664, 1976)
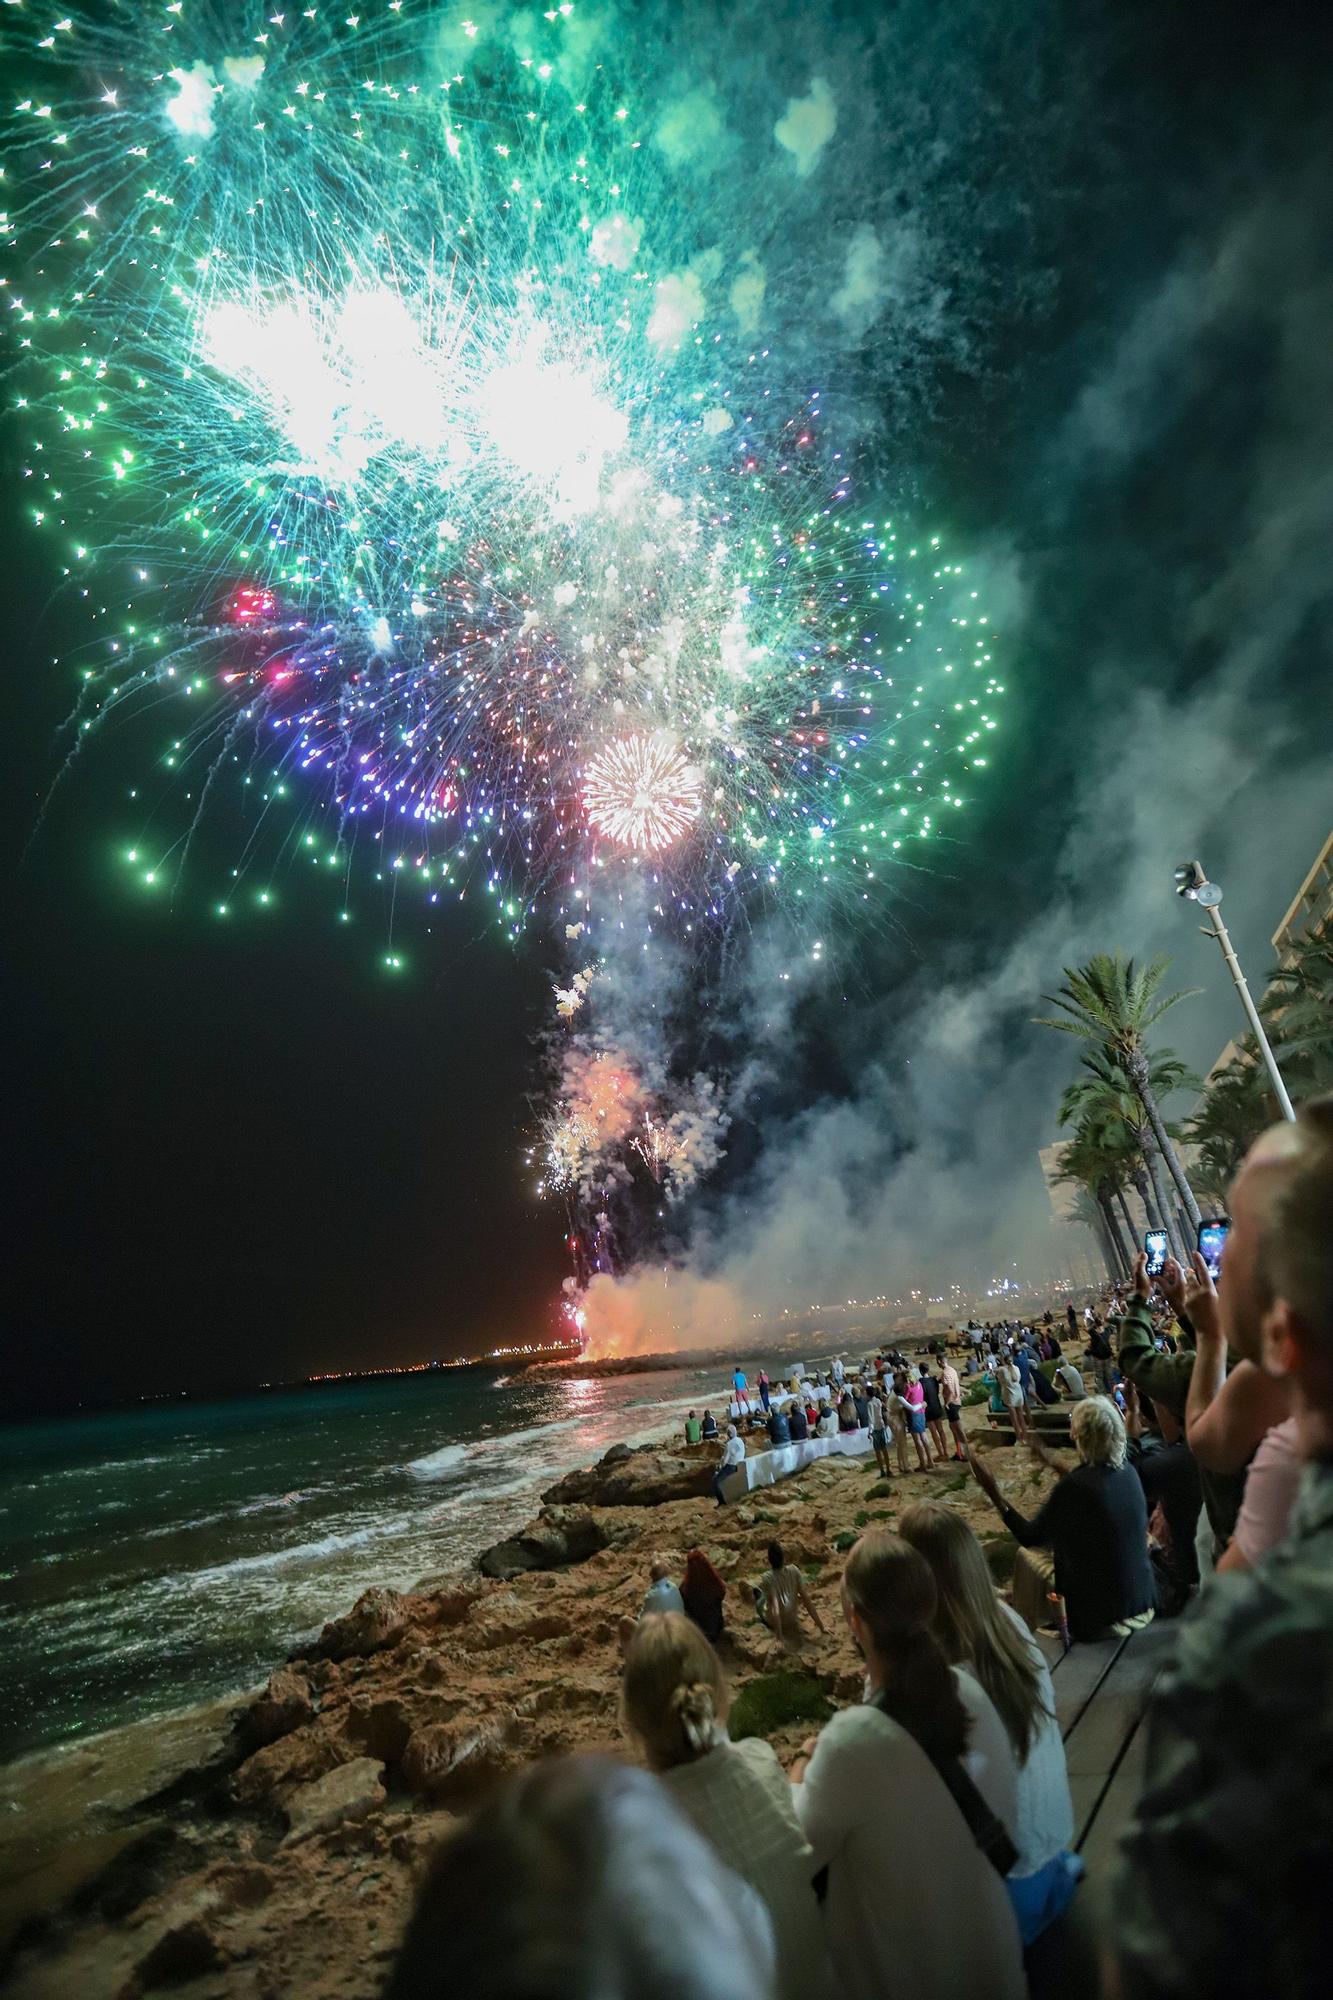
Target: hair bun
(694, 1709)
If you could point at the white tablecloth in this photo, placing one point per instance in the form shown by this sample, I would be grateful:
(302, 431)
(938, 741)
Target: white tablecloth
(766, 1468)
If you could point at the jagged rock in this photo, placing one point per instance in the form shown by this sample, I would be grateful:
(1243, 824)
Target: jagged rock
(415, 1843)
(379, 1618)
(508, 1618)
(450, 1607)
(451, 1762)
(241, 1885)
(296, 1759)
(284, 1705)
(348, 1793)
(184, 1952)
(380, 1728)
(550, 1543)
(637, 1479)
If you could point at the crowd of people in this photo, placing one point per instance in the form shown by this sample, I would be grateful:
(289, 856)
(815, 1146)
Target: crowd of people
(921, 1843)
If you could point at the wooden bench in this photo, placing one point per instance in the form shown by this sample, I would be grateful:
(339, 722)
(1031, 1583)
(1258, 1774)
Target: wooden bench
(1101, 1700)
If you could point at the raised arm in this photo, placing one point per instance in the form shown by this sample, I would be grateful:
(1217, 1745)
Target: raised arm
(1226, 1416)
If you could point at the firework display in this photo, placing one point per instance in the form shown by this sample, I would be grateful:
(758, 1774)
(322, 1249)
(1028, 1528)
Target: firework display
(414, 401)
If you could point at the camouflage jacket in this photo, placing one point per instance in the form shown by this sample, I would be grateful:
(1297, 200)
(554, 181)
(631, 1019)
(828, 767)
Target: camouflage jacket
(1224, 1885)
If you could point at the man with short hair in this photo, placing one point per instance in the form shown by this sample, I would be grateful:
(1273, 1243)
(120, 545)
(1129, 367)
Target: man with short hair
(1223, 1860)
(693, 1429)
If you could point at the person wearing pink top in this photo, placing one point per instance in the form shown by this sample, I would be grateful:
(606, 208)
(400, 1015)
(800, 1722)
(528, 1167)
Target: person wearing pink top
(915, 1398)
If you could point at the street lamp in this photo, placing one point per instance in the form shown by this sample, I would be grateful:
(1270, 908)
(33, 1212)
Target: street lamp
(1191, 882)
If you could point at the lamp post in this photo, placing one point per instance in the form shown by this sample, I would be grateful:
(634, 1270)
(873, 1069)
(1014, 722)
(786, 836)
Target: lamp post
(1191, 882)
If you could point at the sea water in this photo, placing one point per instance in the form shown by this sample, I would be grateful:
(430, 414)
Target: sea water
(155, 1558)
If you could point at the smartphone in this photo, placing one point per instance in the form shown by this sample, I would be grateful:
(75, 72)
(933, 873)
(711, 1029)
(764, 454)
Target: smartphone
(1213, 1233)
(1154, 1244)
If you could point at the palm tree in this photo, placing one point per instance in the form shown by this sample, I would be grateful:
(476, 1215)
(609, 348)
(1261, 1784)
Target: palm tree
(1112, 1003)
(1086, 1163)
(1299, 1004)
(1105, 1096)
(1237, 1105)
(1086, 1208)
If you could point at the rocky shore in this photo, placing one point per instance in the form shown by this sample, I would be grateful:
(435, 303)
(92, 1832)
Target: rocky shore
(273, 1848)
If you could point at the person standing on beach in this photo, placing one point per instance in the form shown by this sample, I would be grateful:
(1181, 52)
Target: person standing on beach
(742, 1392)
(879, 1433)
(934, 1408)
(951, 1390)
(915, 1398)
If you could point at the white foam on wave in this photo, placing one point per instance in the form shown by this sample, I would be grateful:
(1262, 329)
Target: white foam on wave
(436, 1463)
(298, 1552)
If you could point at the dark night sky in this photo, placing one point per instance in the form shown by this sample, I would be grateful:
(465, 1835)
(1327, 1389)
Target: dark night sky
(236, 1156)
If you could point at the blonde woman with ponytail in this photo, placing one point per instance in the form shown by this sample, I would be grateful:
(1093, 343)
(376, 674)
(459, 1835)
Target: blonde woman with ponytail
(673, 1707)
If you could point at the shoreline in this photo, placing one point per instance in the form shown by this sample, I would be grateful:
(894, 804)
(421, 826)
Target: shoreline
(283, 1854)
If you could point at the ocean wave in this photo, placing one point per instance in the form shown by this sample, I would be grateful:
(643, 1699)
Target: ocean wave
(436, 1463)
(298, 1552)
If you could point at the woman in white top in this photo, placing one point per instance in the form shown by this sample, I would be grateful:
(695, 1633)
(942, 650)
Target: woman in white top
(1011, 1389)
(977, 1630)
(674, 1706)
(879, 1813)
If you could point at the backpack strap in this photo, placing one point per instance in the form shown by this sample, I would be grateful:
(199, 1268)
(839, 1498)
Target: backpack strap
(989, 1833)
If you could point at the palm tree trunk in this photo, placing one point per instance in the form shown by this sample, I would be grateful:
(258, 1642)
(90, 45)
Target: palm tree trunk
(1138, 1071)
(1152, 1161)
(1144, 1189)
(1106, 1244)
(1129, 1227)
(1113, 1227)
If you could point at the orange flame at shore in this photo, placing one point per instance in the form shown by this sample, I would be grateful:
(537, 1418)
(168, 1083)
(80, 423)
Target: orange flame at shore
(658, 1313)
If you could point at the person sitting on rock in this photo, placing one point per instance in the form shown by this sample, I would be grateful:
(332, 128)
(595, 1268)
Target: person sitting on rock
(798, 1423)
(581, 1876)
(827, 1426)
(702, 1591)
(693, 1429)
(673, 1707)
(708, 1429)
(782, 1596)
(847, 1413)
(1070, 1377)
(779, 1427)
(733, 1454)
(661, 1595)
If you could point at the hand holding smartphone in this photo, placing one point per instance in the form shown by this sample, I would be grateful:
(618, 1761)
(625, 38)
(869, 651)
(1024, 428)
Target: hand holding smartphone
(1154, 1249)
(1213, 1233)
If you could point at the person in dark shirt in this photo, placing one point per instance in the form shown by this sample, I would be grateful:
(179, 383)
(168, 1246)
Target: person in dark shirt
(799, 1424)
(779, 1429)
(709, 1429)
(861, 1404)
(1095, 1522)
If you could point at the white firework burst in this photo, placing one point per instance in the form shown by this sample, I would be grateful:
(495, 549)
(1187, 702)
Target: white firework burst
(643, 792)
